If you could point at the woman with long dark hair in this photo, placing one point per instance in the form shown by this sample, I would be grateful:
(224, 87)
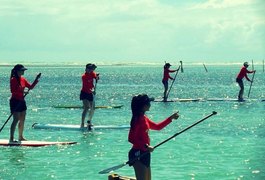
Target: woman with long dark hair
(18, 105)
(138, 135)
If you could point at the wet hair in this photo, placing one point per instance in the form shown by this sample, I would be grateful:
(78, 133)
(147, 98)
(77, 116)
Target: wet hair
(137, 105)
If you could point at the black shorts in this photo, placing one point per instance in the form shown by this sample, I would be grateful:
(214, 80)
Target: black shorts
(145, 159)
(239, 80)
(165, 83)
(17, 105)
(87, 96)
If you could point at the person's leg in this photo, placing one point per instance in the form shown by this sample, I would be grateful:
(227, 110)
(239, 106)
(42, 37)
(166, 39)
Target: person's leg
(91, 105)
(22, 117)
(165, 90)
(149, 177)
(85, 110)
(13, 126)
(241, 91)
(141, 171)
(91, 110)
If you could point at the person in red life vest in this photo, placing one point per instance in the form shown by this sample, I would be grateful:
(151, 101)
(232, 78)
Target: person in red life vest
(243, 73)
(17, 102)
(166, 77)
(87, 94)
(138, 136)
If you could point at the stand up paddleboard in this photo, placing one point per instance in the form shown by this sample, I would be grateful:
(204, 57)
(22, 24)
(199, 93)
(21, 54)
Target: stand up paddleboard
(5, 142)
(79, 107)
(233, 100)
(76, 127)
(178, 100)
(224, 99)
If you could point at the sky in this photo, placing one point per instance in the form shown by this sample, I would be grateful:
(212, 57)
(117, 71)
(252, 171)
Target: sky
(132, 30)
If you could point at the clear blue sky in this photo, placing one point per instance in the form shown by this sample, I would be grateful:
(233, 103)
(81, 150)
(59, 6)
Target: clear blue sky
(132, 30)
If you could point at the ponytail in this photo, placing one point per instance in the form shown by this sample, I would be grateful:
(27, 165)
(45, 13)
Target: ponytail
(137, 105)
(14, 74)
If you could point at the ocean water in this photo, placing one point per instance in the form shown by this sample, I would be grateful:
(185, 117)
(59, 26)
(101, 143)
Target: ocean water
(229, 145)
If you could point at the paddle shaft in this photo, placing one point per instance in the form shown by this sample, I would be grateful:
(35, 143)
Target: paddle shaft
(178, 133)
(94, 95)
(172, 83)
(251, 83)
(133, 160)
(205, 68)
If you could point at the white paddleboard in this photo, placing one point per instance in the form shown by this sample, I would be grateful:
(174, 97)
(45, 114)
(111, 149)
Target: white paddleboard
(5, 142)
(80, 106)
(224, 99)
(178, 100)
(76, 127)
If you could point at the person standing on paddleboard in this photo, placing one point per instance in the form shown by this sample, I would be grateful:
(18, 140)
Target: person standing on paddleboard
(166, 77)
(139, 138)
(243, 73)
(87, 94)
(17, 101)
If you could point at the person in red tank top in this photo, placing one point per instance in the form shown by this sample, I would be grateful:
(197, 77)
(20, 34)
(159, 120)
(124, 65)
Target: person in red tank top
(139, 138)
(166, 77)
(17, 102)
(243, 73)
(87, 93)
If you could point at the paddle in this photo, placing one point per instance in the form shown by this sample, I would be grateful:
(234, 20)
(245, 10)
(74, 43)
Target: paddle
(251, 83)
(205, 68)
(108, 170)
(26, 93)
(173, 82)
(181, 66)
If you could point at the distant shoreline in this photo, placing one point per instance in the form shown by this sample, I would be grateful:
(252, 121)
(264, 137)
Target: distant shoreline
(78, 64)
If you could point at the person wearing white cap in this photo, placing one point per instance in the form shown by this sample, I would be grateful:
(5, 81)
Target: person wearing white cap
(243, 73)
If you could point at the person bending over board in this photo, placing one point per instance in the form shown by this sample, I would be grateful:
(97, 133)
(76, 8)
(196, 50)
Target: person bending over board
(243, 73)
(17, 101)
(88, 92)
(139, 138)
(165, 79)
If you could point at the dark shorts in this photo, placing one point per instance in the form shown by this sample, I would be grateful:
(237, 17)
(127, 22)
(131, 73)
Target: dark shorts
(87, 96)
(17, 105)
(145, 159)
(240, 82)
(165, 83)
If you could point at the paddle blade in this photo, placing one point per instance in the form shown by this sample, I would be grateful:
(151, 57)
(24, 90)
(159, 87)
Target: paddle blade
(105, 171)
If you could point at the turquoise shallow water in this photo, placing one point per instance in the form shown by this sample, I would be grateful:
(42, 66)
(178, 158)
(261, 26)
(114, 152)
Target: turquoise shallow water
(230, 145)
